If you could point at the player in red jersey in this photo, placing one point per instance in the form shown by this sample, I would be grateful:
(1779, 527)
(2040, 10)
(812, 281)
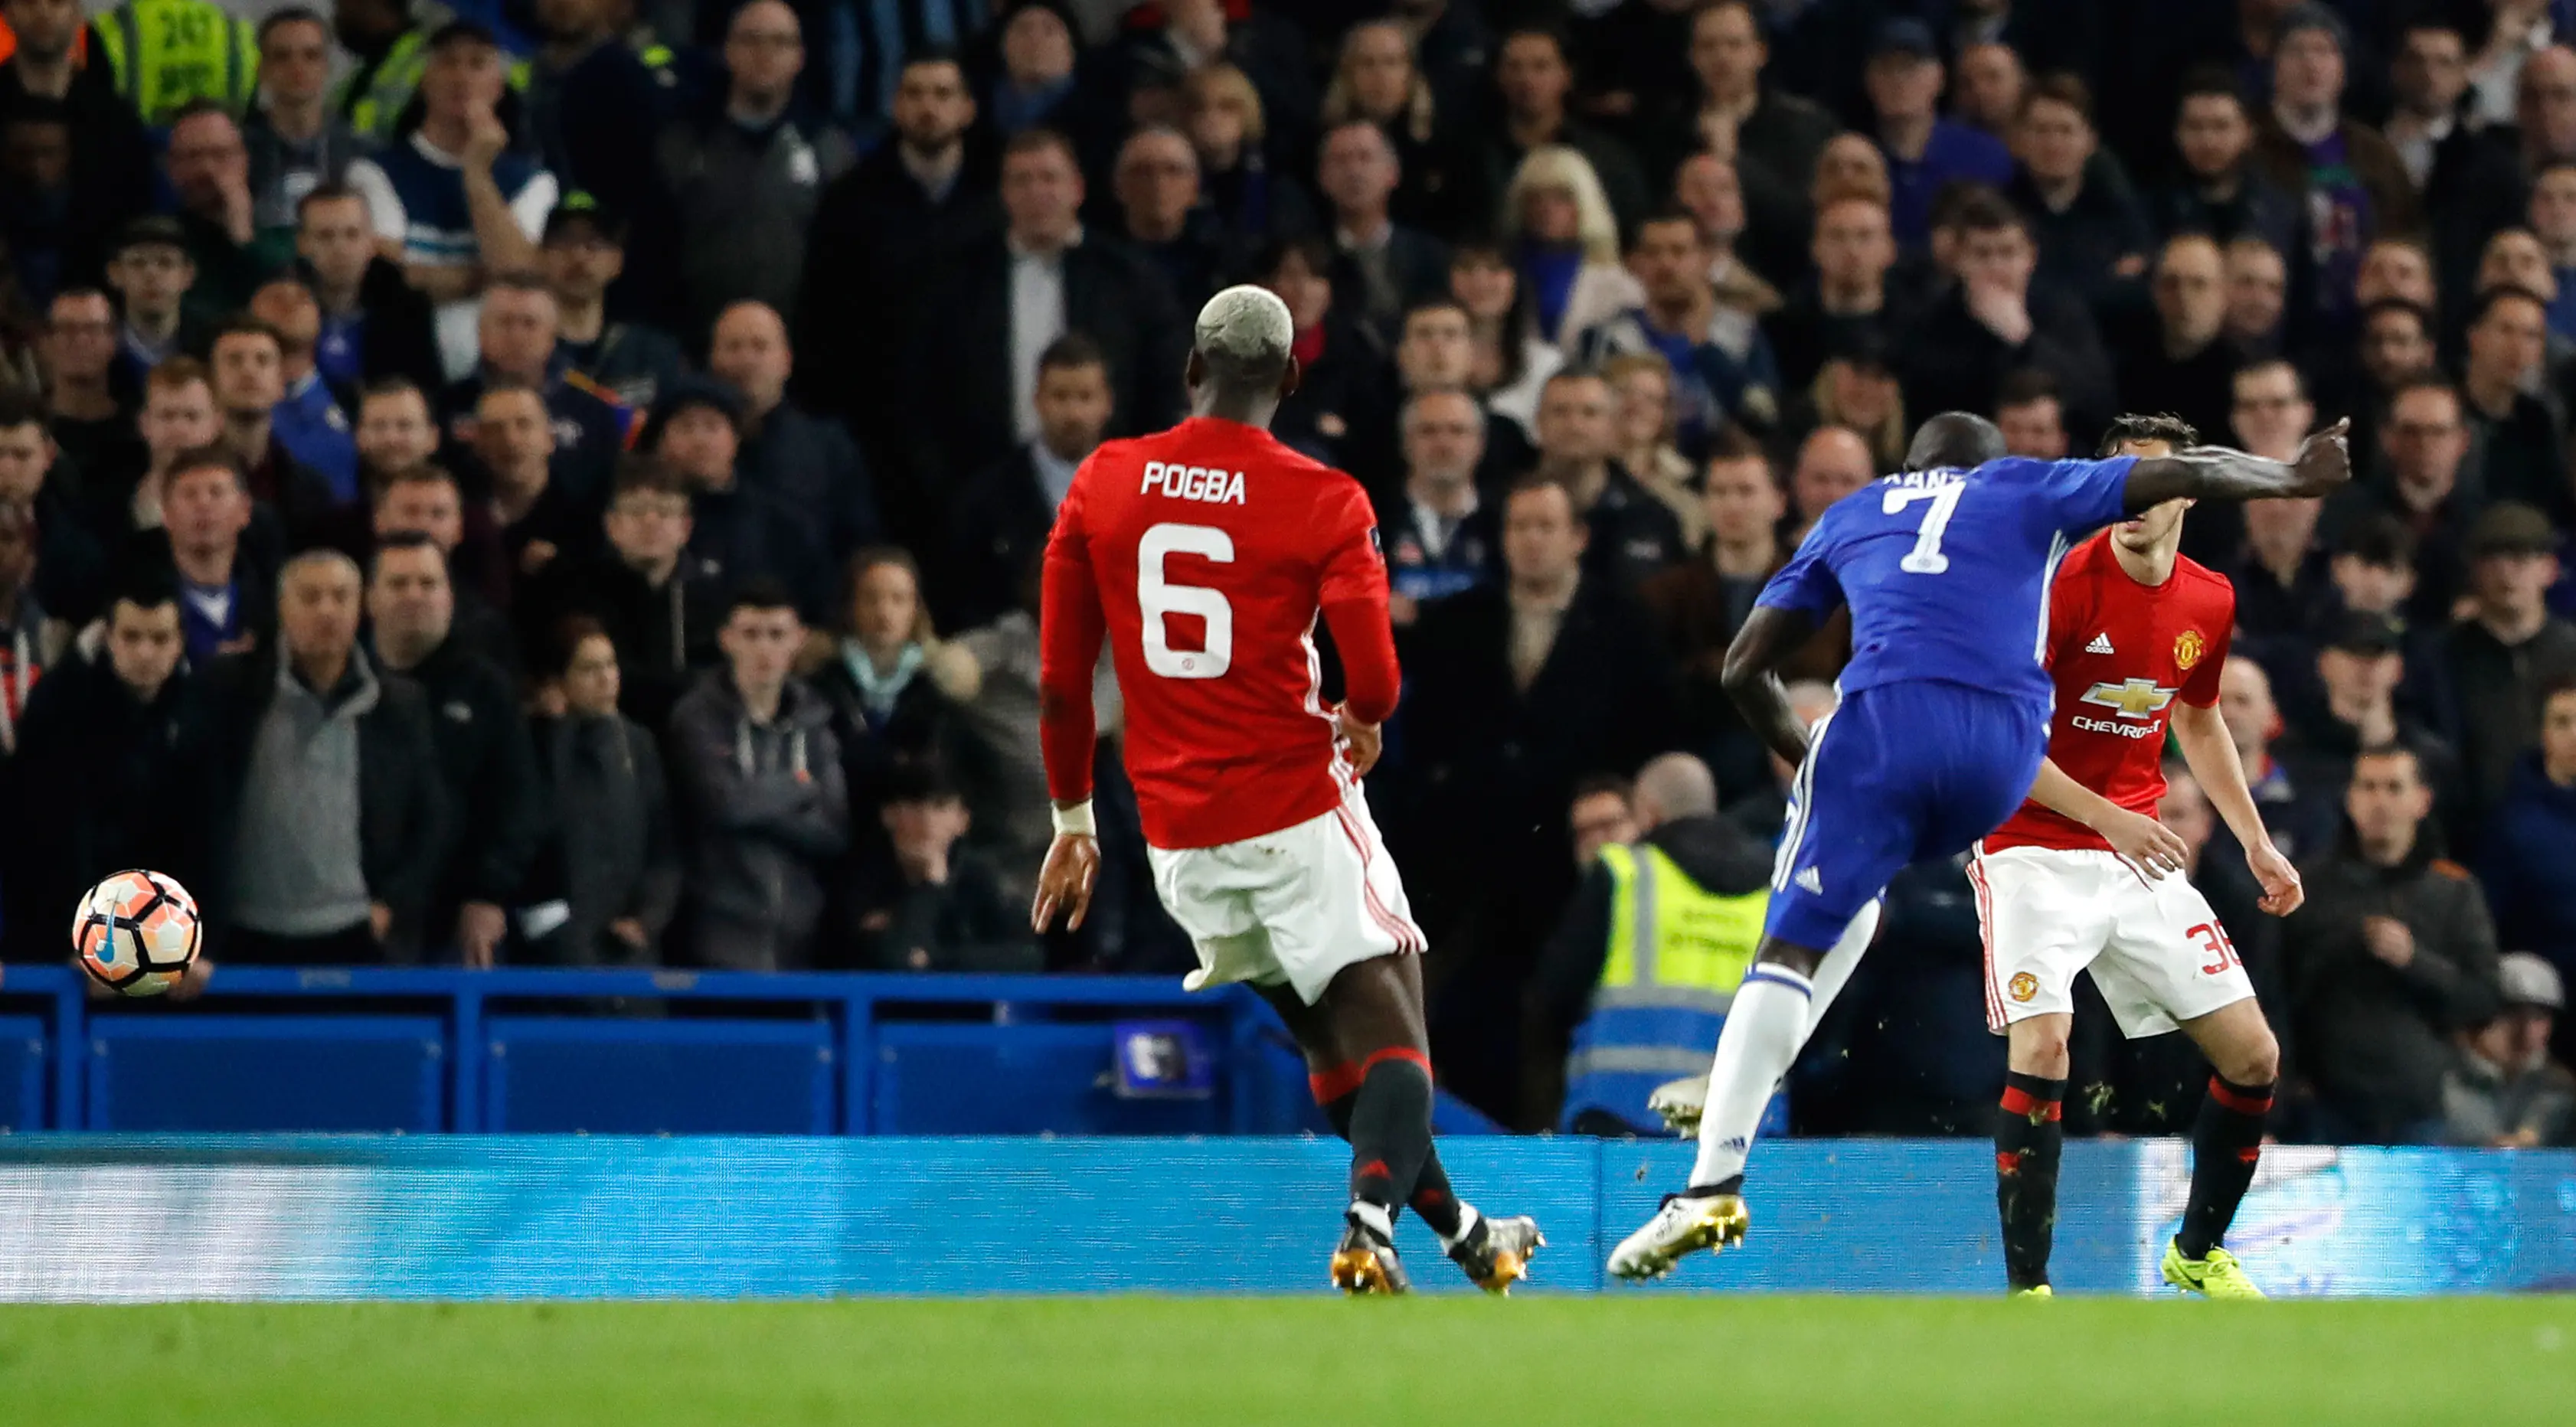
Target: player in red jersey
(1204, 555)
(2084, 877)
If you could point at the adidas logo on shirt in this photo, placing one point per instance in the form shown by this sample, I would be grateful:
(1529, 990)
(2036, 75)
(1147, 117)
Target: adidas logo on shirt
(2101, 645)
(1808, 881)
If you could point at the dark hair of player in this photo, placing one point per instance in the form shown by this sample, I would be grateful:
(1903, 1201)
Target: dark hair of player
(760, 596)
(2378, 539)
(2166, 427)
(1955, 440)
(1070, 351)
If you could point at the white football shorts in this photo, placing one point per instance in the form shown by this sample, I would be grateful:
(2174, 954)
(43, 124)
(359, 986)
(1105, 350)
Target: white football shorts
(2156, 951)
(1290, 907)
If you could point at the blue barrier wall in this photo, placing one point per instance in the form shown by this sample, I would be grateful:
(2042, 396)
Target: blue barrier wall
(123, 1218)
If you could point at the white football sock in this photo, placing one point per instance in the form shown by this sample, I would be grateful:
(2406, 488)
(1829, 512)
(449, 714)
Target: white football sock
(1467, 1217)
(1373, 1217)
(1835, 971)
(1764, 1029)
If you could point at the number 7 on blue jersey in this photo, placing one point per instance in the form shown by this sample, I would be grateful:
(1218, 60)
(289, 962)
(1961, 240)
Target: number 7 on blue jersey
(1926, 557)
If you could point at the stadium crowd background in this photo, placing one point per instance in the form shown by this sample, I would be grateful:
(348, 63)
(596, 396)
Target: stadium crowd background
(692, 384)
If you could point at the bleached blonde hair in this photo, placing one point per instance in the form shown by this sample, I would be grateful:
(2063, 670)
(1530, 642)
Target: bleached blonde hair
(1245, 329)
(1560, 167)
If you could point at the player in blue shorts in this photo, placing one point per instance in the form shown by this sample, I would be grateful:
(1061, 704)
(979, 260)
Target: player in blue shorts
(1943, 722)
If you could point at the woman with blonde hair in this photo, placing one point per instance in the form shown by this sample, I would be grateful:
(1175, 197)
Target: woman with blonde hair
(1557, 223)
(1854, 388)
(1443, 189)
(1642, 382)
(1222, 113)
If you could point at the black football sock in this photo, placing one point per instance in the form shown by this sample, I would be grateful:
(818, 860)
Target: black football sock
(1433, 1199)
(2028, 1138)
(2226, 1140)
(1390, 1128)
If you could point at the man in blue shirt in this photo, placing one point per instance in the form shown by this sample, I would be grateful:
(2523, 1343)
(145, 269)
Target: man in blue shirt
(307, 420)
(1945, 567)
(1924, 151)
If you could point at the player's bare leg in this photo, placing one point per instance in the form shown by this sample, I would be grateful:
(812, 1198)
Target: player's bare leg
(2030, 1138)
(2226, 1141)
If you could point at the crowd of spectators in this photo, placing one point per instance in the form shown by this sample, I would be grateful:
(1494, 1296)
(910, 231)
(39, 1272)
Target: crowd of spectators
(560, 483)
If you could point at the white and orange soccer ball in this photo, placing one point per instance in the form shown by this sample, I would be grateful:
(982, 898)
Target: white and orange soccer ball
(136, 933)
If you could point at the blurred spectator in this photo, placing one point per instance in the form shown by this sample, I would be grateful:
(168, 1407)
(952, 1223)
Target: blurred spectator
(1709, 189)
(38, 480)
(42, 239)
(2510, 647)
(758, 775)
(168, 54)
(307, 420)
(22, 619)
(390, 45)
(2544, 127)
(151, 273)
(2091, 230)
(740, 533)
(1003, 513)
(1342, 384)
(2284, 590)
(2505, 1092)
(2397, 266)
(2422, 444)
(394, 432)
(1382, 267)
(1440, 538)
(482, 747)
(225, 596)
(890, 685)
(1161, 217)
(424, 500)
(1628, 532)
(934, 905)
(44, 81)
(1721, 367)
(247, 361)
(1598, 816)
(1846, 299)
(1534, 79)
(2357, 184)
(998, 304)
(539, 520)
(1987, 87)
(1959, 351)
(593, 110)
(877, 231)
(375, 324)
(1511, 362)
(2397, 342)
(1445, 188)
(1700, 604)
(1925, 152)
(2372, 566)
(608, 872)
(330, 815)
(2553, 221)
(746, 176)
(1565, 243)
(91, 418)
(2270, 412)
(2301, 818)
(2031, 415)
(660, 604)
(1229, 126)
(2258, 294)
(584, 254)
(1163, 45)
(1772, 137)
(457, 201)
(1856, 389)
(296, 144)
(2470, 182)
(2219, 189)
(2183, 364)
(2392, 953)
(802, 462)
(516, 340)
(179, 416)
(2529, 861)
(1763, 811)
(1832, 462)
(2516, 441)
(1001, 765)
(1641, 383)
(1438, 352)
(1039, 47)
(110, 746)
(2431, 77)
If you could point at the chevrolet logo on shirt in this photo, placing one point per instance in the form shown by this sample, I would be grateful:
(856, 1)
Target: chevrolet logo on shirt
(2134, 698)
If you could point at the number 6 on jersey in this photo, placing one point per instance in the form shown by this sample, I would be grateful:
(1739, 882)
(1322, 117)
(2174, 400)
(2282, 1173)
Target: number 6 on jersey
(1158, 598)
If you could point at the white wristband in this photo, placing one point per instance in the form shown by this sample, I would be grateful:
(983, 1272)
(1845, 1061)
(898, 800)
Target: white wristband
(1075, 821)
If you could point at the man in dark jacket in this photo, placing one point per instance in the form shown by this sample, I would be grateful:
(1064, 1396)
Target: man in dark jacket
(1003, 513)
(758, 778)
(659, 603)
(375, 324)
(606, 886)
(2392, 953)
(740, 533)
(482, 743)
(802, 460)
(109, 746)
(2508, 649)
(330, 816)
(933, 904)
(1997, 320)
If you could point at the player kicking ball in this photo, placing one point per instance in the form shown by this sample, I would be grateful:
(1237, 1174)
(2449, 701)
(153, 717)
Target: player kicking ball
(1946, 568)
(1204, 555)
(2084, 877)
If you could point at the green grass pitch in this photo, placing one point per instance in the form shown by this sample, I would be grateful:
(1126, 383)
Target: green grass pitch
(1167, 1362)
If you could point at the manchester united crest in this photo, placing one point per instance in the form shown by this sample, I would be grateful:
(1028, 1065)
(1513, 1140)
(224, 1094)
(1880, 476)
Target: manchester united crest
(2023, 986)
(2188, 647)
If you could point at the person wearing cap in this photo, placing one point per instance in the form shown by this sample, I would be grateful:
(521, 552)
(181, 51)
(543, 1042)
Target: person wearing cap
(1846, 296)
(2356, 184)
(584, 254)
(740, 533)
(454, 202)
(2506, 1092)
(1924, 151)
(2392, 953)
(2354, 706)
(2510, 647)
(151, 273)
(167, 54)
(2370, 567)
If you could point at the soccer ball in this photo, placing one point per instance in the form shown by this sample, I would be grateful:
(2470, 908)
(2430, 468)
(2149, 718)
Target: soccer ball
(136, 933)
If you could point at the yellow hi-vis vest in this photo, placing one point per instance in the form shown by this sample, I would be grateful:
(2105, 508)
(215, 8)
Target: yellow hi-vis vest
(166, 54)
(1677, 953)
(376, 109)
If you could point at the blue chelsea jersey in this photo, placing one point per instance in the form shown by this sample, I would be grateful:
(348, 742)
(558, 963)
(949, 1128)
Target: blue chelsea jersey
(1947, 571)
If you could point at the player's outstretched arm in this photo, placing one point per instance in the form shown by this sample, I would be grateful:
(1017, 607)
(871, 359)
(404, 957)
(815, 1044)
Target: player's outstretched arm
(2153, 847)
(2222, 473)
(1752, 679)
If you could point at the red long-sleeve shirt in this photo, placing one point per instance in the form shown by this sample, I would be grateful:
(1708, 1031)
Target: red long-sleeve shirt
(1204, 556)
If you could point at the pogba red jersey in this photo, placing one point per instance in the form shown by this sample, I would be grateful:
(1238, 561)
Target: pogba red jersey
(2120, 653)
(1204, 555)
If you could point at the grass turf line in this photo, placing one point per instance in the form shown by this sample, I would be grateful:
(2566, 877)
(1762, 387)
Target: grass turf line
(1242, 1362)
